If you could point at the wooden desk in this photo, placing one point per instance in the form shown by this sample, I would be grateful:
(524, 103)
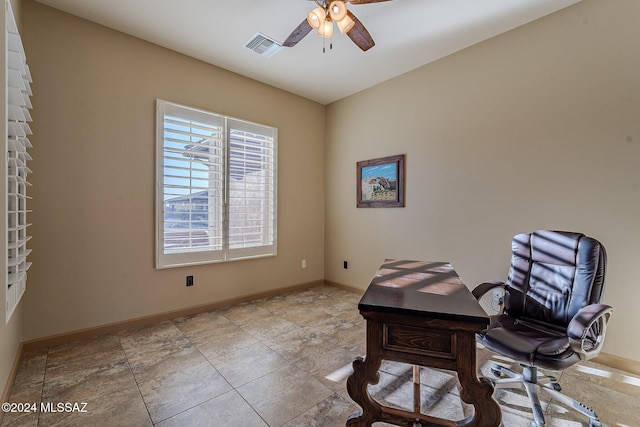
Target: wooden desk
(421, 313)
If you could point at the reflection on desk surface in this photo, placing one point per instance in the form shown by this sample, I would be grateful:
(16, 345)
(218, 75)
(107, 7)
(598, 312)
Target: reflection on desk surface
(422, 276)
(430, 287)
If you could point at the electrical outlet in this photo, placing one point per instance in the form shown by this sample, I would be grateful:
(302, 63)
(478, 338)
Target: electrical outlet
(189, 280)
(345, 265)
(304, 263)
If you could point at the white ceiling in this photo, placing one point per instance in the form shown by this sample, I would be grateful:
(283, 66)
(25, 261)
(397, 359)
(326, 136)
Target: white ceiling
(408, 34)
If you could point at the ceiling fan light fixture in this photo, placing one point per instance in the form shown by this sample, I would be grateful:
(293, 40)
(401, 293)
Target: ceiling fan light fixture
(322, 18)
(316, 17)
(326, 29)
(345, 24)
(337, 10)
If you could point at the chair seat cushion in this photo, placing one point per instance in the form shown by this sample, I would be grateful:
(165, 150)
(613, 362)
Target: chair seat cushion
(528, 342)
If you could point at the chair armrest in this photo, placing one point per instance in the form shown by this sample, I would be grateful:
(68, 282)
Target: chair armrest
(587, 329)
(485, 287)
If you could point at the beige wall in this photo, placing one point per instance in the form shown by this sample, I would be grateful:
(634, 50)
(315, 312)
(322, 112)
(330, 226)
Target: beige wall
(93, 181)
(537, 128)
(16, 6)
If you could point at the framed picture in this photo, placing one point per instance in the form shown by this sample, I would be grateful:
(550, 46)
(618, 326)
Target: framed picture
(380, 182)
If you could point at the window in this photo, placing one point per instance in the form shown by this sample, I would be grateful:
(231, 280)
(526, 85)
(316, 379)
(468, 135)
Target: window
(216, 191)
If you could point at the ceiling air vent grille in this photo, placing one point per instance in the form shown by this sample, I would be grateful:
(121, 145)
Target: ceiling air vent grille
(263, 45)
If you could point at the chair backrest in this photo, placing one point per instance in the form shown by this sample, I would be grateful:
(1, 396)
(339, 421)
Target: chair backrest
(554, 274)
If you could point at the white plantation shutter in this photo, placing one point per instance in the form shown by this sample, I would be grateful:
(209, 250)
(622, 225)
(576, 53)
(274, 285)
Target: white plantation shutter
(17, 102)
(251, 201)
(216, 198)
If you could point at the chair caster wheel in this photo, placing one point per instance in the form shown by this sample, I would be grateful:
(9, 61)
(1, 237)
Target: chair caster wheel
(594, 423)
(496, 372)
(556, 386)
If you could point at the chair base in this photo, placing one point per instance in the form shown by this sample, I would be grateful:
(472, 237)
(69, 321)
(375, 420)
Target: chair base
(531, 379)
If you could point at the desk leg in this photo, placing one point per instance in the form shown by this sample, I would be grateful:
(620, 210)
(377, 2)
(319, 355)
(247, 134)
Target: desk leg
(475, 391)
(416, 389)
(365, 372)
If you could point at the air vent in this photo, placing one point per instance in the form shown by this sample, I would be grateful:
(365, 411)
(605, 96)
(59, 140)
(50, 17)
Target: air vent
(263, 45)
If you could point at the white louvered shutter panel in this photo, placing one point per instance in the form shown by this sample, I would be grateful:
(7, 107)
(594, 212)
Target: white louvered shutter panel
(18, 90)
(252, 198)
(193, 185)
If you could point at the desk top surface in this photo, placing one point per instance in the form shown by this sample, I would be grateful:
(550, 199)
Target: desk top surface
(424, 289)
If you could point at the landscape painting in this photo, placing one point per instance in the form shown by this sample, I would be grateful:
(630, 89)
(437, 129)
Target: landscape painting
(380, 182)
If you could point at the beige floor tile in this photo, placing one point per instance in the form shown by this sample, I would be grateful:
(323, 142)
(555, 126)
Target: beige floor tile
(594, 373)
(516, 417)
(282, 395)
(88, 355)
(152, 361)
(209, 331)
(357, 348)
(439, 379)
(31, 370)
(223, 341)
(331, 366)
(614, 407)
(309, 296)
(137, 340)
(247, 364)
(331, 412)
(291, 343)
(246, 313)
(122, 408)
(514, 404)
(275, 304)
(312, 295)
(333, 372)
(288, 357)
(594, 387)
(269, 327)
(89, 384)
(393, 391)
(397, 369)
(338, 305)
(303, 315)
(24, 417)
(20, 419)
(338, 331)
(168, 395)
(227, 410)
(316, 354)
(203, 324)
(398, 392)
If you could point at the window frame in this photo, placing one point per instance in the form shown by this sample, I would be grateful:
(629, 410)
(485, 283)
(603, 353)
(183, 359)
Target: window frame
(225, 253)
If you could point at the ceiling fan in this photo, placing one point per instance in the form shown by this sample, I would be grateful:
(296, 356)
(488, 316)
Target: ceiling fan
(322, 18)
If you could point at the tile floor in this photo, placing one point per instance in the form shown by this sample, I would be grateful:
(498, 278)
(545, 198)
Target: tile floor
(278, 361)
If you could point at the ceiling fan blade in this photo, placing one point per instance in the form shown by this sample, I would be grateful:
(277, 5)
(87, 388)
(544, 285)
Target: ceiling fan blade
(359, 34)
(298, 34)
(366, 1)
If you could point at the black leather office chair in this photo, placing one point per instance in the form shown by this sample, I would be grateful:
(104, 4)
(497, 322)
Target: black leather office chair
(550, 316)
